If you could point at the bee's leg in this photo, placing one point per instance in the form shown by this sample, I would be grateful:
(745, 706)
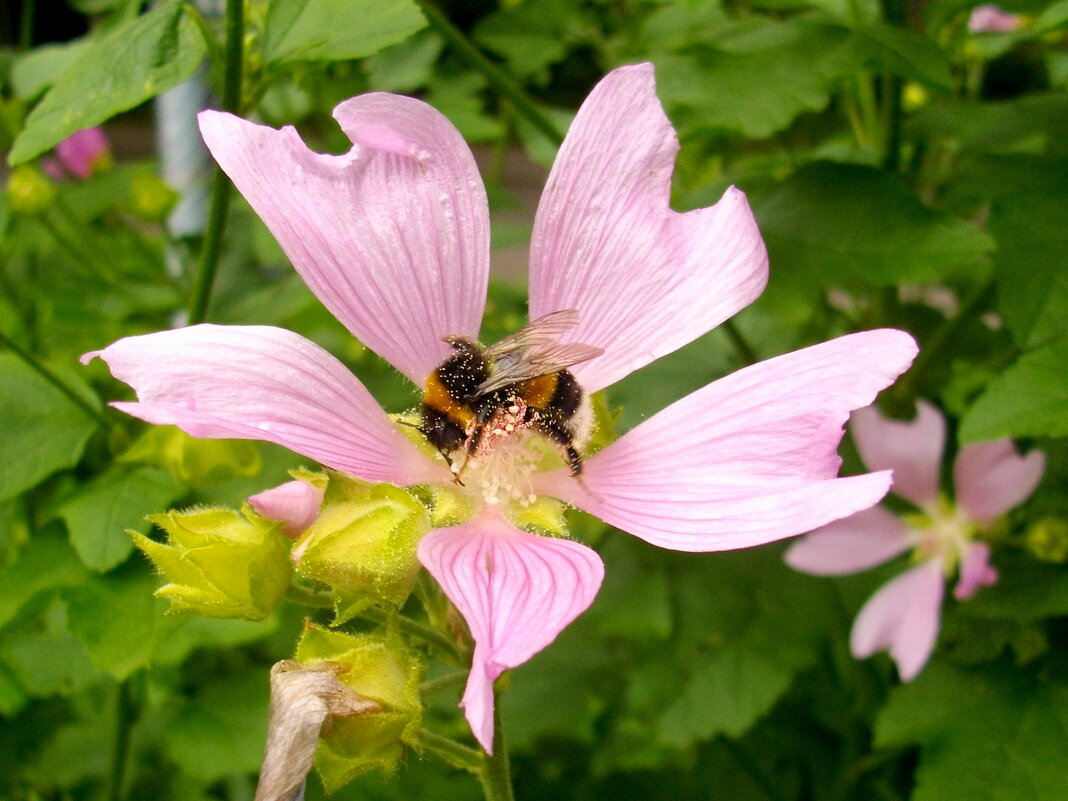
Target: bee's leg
(554, 429)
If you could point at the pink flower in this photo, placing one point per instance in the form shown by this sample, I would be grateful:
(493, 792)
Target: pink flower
(79, 155)
(991, 19)
(989, 478)
(393, 237)
(295, 503)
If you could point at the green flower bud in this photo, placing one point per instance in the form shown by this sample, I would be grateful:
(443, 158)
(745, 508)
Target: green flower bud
(377, 668)
(1047, 539)
(150, 199)
(219, 563)
(363, 544)
(199, 463)
(29, 191)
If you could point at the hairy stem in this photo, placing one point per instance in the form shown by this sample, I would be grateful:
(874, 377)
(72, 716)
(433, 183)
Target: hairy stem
(452, 752)
(233, 64)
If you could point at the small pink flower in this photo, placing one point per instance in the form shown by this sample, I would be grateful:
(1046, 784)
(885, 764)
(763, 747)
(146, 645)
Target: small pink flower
(79, 155)
(393, 237)
(991, 19)
(295, 504)
(989, 478)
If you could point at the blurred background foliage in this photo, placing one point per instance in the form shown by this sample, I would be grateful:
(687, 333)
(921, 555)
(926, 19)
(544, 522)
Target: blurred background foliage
(905, 170)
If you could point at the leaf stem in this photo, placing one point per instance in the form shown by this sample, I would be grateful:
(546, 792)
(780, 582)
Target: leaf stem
(452, 752)
(494, 75)
(52, 378)
(446, 682)
(496, 776)
(233, 65)
(425, 633)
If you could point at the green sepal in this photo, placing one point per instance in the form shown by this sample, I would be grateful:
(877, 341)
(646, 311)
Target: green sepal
(544, 517)
(198, 463)
(219, 563)
(363, 544)
(378, 667)
(448, 507)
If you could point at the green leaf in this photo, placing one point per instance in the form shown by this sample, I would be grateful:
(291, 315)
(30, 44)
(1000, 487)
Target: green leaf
(44, 656)
(38, 69)
(879, 46)
(99, 515)
(131, 64)
(47, 563)
(985, 736)
(1031, 262)
(1029, 399)
(848, 223)
(334, 30)
(44, 431)
(221, 732)
(118, 621)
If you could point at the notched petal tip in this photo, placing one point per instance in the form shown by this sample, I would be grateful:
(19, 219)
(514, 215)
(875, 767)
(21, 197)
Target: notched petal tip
(516, 591)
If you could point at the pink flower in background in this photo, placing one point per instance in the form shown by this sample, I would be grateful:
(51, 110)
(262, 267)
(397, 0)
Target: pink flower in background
(989, 479)
(79, 155)
(991, 19)
(393, 237)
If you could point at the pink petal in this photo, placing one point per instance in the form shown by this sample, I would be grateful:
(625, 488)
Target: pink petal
(393, 236)
(258, 382)
(856, 543)
(80, 152)
(515, 590)
(912, 450)
(750, 458)
(902, 617)
(991, 19)
(991, 478)
(975, 571)
(295, 503)
(646, 279)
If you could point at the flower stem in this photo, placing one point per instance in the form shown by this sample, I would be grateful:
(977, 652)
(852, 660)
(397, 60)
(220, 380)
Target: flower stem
(741, 344)
(125, 713)
(48, 375)
(496, 776)
(494, 75)
(233, 65)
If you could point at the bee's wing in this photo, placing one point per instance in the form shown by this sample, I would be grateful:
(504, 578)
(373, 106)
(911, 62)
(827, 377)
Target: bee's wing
(543, 331)
(533, 351)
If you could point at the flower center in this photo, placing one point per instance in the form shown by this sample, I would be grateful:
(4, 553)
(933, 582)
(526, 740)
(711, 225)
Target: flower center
(509, 452)
(943, 531)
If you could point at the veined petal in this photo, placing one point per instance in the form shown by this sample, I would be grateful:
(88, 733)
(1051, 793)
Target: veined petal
(259, 382)
(991, 477)
(646, 279)
(750, 458)
(516, 591)
(913, 450)
(856, 543)
(975, 571)
(393, 236)
(902, 617)
(295, 503)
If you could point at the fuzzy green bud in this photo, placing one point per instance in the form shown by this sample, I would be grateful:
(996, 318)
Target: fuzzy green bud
(1047, 539)
(362, 545)
(378, 668)
(219, 563)
(198, 463)
(29, 191)
(150, 199)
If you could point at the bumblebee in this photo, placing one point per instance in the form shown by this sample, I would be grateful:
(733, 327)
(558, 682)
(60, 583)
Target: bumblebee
(481, 395)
